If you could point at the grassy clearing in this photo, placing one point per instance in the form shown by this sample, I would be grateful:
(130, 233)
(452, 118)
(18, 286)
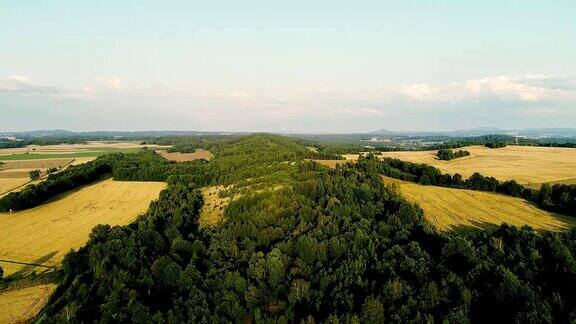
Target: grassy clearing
(21, 305)
(331, 163)
(525, 164)
(217, 198)
(448, 208)
(43, 235)
(212, 211)
(183, 157)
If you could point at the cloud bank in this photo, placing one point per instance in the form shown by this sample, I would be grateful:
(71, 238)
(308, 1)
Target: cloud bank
(109, 103)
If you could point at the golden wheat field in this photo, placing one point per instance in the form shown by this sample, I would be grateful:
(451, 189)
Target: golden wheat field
(529, 165)
(21, 305)
(8, 184)
(448, 208)
(44, 234)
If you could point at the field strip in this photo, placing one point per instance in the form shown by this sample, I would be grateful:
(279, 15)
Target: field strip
(448, 208)
(44, 234)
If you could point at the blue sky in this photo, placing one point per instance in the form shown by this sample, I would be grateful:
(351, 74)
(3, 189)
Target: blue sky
(293, 66)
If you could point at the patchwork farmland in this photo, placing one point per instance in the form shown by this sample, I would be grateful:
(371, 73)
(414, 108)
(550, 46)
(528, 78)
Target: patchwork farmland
(529, 165)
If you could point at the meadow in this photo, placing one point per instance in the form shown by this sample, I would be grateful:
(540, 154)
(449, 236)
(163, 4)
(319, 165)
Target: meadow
(183, 157)
(41, 236)
(528, 165)
(212, 211)
(448, 208)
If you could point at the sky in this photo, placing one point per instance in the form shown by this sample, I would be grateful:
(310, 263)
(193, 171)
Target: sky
(286, 66)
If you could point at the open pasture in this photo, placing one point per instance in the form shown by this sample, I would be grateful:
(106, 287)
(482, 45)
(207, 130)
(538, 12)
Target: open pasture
(448, 208)
(22, 304)
(44, 234)
(529, 165)
(183, 157)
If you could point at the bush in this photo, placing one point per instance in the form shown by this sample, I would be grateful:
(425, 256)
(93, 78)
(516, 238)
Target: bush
(34, 175)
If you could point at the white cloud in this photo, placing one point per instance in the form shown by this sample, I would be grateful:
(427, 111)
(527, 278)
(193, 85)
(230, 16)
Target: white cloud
(528, 88)
(420, 91)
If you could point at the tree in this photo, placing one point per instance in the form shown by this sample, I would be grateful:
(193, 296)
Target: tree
(34, 175)
(545, 196)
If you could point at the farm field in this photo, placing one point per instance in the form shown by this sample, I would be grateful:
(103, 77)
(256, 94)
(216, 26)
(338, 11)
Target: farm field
(529, 165)
(70, 151)
(183, 157)
(9, 184)
(21, 305)
(15, 174)
(44, 234)
(448, 208)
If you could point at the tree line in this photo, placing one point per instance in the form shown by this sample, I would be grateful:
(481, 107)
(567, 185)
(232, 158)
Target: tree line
(447, 154)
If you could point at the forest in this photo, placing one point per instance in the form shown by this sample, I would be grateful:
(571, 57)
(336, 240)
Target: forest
(320, 245)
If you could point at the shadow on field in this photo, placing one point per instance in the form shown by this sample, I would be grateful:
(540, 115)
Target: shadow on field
(77, 189)
(32, 267)
(475, 227)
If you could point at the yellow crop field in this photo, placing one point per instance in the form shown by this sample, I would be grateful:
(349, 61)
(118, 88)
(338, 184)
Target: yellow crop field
(44, 234)
(35, 164)
(21, 305)
(8, 184)
(528, 165)
(448, 208)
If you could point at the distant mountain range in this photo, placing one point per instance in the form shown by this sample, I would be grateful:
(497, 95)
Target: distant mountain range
(526, 132)
(55, 133)
(551, 132)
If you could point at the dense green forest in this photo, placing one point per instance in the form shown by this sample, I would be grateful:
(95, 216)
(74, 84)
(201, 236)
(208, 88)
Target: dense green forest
(318, 245)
